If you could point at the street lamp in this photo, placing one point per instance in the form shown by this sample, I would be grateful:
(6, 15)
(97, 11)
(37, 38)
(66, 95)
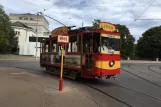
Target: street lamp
(36, 34)
(125, 37)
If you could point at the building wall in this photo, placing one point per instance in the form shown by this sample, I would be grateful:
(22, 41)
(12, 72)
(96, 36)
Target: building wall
(26, 47)
(31, 21)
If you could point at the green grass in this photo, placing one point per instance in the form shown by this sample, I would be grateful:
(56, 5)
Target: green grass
(14, 56)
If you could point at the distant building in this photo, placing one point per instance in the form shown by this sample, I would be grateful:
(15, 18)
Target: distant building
(25, 34)
(30, 20)
(25, 26)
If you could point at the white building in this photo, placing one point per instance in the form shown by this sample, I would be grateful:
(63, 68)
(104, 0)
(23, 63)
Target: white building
(25, 26)
(23, 34)
(32, 20)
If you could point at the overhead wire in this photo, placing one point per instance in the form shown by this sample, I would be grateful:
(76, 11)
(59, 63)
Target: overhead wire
(143, 12)
(32, 4)
(91, 6)
(148, 19)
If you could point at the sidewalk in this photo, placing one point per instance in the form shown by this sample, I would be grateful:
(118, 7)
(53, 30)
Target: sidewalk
(19, 88)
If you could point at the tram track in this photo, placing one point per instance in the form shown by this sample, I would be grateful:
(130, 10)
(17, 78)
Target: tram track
(160, 67)
(94, 88)
(144, 72)
(153, 70)
(109, 95)
(103, 92)
(117, 99)
(123, 87)
(139, 92)
(141, 78)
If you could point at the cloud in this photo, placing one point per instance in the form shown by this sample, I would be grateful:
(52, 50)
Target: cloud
(74, 12)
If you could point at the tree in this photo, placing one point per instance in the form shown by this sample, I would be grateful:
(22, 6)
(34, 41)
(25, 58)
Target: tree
(7, 36)
(13, 43)
(149, 45)
(127, 42)
(95, 23)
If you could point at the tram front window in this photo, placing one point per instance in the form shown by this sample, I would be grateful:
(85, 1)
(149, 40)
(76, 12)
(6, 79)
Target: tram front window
(110, 44)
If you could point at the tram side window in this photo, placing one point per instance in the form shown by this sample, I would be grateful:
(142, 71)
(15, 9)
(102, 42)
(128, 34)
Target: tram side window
(46, 49)
(69, 47)
(59, 50)
(96, 42)
(87, 43)
(75, 44)
(42, 47)
(47, 46)
(79, 43)
(54, 46)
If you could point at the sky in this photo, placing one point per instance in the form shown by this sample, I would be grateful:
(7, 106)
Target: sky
(137, 15)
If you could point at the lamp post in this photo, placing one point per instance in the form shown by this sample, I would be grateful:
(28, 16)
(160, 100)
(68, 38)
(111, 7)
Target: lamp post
(36, 35)
(125, 38)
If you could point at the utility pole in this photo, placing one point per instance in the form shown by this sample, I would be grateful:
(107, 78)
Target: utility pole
(36, 35)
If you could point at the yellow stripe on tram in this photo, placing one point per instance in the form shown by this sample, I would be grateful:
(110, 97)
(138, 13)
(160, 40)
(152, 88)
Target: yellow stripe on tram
(105, 65)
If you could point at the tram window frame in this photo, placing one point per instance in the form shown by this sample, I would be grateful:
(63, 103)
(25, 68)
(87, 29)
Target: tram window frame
(86, 37)
(42, 46)
(75, 42)
(97, 44)
(54, 45)
(47, 46)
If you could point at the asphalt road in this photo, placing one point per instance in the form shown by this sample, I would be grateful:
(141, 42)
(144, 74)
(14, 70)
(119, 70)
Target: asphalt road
(138, 85)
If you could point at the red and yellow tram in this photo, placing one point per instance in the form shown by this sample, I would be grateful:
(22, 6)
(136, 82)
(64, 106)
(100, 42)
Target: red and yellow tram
(91, 52)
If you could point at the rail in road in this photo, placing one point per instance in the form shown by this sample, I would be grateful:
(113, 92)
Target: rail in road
(141, 76)
(124, 87)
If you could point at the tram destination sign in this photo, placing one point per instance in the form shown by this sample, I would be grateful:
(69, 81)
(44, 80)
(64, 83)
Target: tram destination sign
(63, 39)
(59, 31)
(107, 26)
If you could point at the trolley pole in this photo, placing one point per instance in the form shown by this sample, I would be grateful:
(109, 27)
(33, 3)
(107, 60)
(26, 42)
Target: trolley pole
(61, 71)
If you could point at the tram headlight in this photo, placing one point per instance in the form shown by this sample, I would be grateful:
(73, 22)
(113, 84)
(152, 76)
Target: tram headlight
(111, 63)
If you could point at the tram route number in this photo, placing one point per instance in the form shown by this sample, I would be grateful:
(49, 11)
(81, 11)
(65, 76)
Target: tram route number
(111, 36)
(63, 39)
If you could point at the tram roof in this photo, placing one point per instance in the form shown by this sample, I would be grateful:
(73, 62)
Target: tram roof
(82, 29)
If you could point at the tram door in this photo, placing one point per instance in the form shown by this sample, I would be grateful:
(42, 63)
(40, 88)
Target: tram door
(87, 51)
(91, 43)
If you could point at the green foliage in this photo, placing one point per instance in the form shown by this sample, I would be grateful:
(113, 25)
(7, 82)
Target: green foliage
(127, 42)
(7, 36)
(95, 23)
(149, 45)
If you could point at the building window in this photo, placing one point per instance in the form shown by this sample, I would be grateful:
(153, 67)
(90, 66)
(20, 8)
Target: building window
(20, 18)
(31, 18)
(18, 32)
(25, 18)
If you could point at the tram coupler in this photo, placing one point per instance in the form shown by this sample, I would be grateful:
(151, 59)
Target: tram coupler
(107, 77)
(114, 77)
